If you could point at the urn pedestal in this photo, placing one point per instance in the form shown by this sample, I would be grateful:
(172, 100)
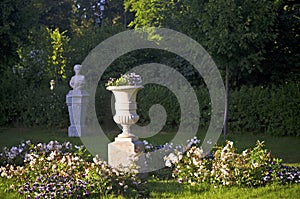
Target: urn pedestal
(126, 146)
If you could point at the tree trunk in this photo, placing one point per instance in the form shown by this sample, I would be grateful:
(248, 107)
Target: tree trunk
(225, 130)
(125, 19)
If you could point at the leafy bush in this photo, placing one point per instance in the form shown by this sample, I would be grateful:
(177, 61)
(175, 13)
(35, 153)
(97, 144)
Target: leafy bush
(43, 107)
(274, 110)
(253, 167)
(155, 94)
(32, 106)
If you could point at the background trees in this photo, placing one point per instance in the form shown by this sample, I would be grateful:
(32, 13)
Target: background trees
(254, 43)
(234, 32)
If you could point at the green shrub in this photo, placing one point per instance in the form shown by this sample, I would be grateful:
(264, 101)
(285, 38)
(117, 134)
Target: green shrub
(24, 105)
(274, 110)
(252, 167)
(155, 94)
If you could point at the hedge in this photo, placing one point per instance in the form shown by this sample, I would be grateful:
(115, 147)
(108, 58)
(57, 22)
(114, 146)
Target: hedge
(273, 110)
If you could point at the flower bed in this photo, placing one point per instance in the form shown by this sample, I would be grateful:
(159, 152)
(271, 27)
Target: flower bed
(252, 168)
(54, 170)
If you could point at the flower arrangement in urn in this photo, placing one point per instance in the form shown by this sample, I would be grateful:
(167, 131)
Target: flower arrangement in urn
(128, 79)
(125, 89)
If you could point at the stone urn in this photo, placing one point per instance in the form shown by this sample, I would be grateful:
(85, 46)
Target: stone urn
(125, 107)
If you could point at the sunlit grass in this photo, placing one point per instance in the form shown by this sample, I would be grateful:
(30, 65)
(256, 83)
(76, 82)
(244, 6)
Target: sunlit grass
(171, 189)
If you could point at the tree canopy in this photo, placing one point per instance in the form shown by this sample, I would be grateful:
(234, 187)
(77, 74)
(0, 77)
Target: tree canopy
(253, 42)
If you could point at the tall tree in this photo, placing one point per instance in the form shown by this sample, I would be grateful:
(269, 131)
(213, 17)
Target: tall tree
(283, 58)
(16, 20)
(234, 32)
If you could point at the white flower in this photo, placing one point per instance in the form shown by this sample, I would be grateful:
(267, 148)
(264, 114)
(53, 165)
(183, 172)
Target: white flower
(180, 156)
(13, 149)
(126, 79)
(168, 163)
(195, 161)
(171, 159)
(96, 159)
(20, 150)
(63, 159)
(51, 156)
(199, 152)
(224, 171)
(3, 174)
(27, 158)
(54, 167)
(76, 158)
(244, 153)
(255, 164)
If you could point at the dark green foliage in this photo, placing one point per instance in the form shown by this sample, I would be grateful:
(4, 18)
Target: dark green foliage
(283, 59)
(42, 107)
(156, 94)
(257, 40)
(33, 106)
(15, 21)
(274, 110)
(10, 106)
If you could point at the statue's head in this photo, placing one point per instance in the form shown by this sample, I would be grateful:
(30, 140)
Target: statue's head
(77, 68)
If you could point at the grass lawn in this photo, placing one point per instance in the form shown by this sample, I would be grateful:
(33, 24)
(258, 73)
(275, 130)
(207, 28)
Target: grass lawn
(286, 148)
(171, 189)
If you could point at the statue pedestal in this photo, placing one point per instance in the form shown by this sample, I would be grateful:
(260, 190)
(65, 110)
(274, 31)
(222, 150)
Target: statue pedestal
(122, 152)
(77, 102)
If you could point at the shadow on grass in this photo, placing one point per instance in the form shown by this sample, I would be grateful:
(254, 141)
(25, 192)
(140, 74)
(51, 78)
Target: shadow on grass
(14, 136)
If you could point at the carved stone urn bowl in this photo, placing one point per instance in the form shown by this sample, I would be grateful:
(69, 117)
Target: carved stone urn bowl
(125, 106)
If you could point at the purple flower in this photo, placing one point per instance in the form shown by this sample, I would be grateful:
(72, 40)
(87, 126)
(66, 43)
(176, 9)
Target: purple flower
(87, 193)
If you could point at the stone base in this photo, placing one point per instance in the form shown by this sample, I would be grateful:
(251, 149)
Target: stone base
(78, 131)
(122, 151)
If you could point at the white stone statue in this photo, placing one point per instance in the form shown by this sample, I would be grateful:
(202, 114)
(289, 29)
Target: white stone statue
(77, 81)
(77, 101)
